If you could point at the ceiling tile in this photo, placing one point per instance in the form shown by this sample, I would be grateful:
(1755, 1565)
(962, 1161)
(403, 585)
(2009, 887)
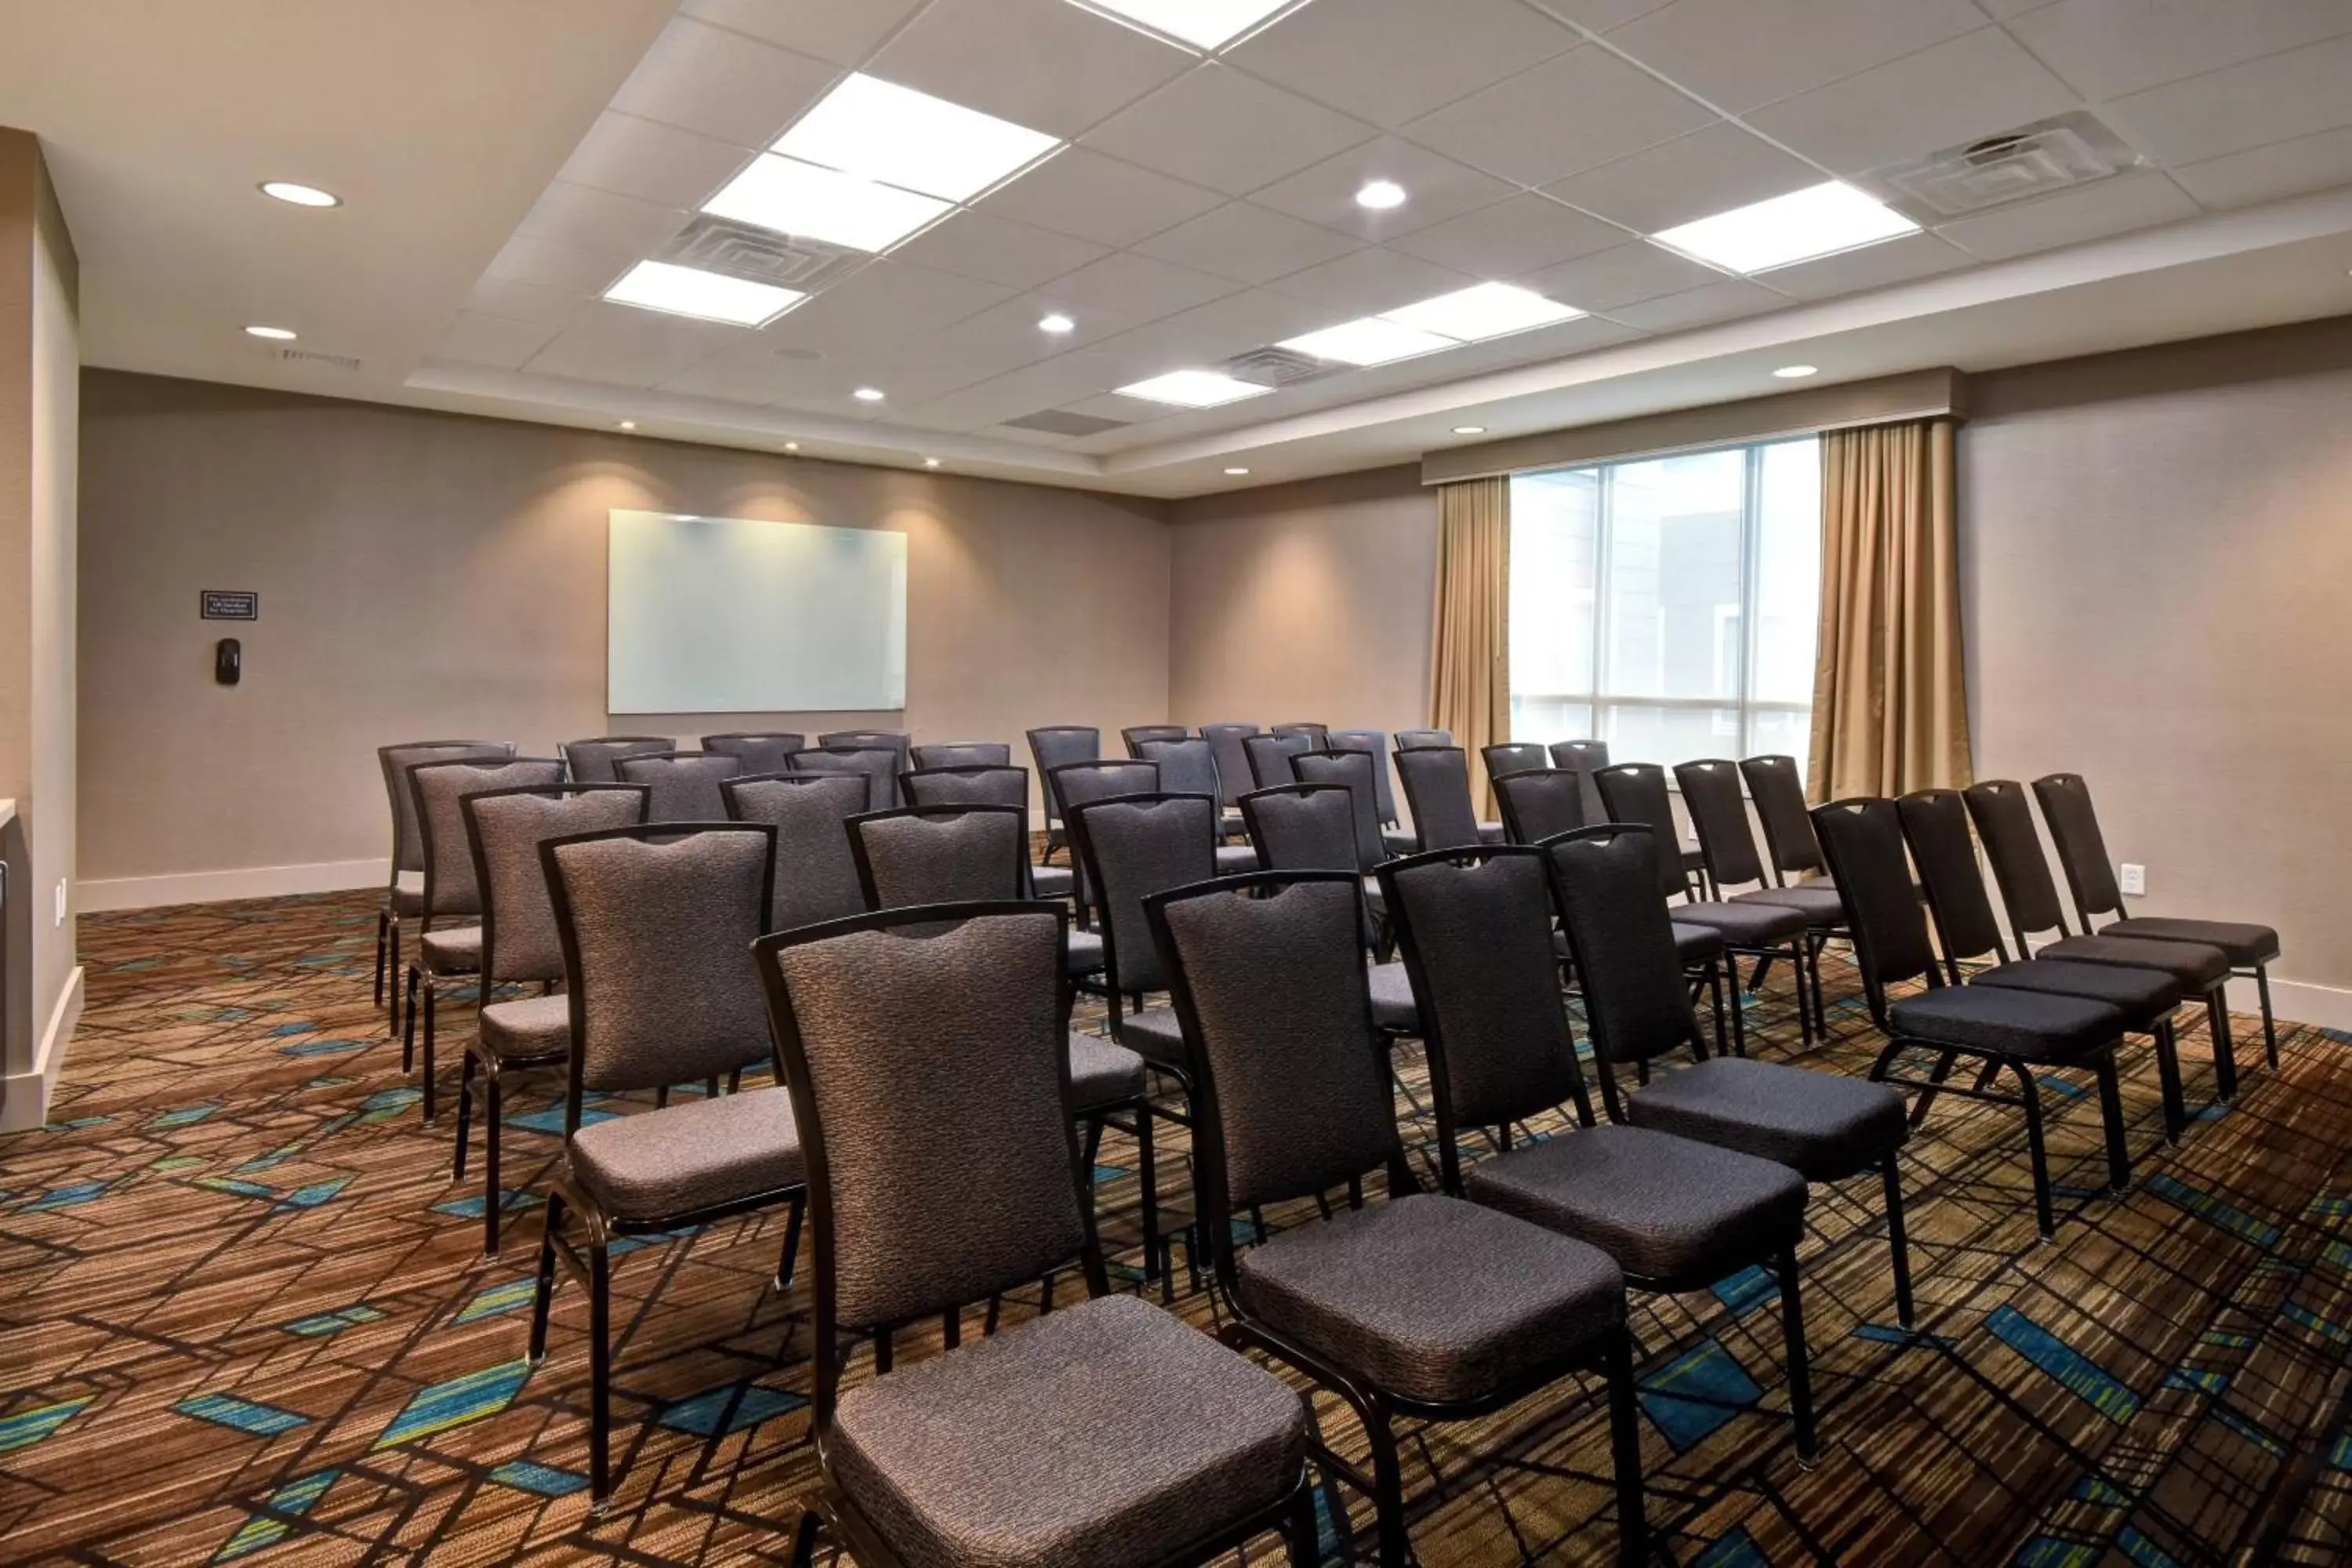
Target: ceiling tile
(2107, 48)
(886, 302)
(749, 374)
(841, 31)
(2109, 206)
(1248, 244)
(2266, 174)
(1139, 286)
(652, 162)
(1517, 234)
(1387, 61)
(1372, 281)
(632, 347)
(1082, 192)
(1045, 64)
(1054, 384)
(825, 386)
(1621, 275)
(490, 340)
(2294, 94)
(548, 264)
(1740, 54)
(1968, 87)
(599, 220)
(1708, 172)
(1601, 15)
(1436, 188)
(1017, 254)
(1872, 267)
(1584, 108)
(721, 84)
(1006, 336)
(1213, 331)
(1216, 127)
(1722, 302)
(519, 302)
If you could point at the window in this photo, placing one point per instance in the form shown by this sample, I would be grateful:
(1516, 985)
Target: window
(1669, 605)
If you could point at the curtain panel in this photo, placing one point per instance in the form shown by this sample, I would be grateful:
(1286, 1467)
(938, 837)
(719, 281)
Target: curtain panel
(1470, 647)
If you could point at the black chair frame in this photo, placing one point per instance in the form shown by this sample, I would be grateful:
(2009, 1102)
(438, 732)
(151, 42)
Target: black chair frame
(387, 922)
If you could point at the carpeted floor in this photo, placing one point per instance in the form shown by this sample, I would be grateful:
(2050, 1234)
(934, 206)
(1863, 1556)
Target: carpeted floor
(243, 1314)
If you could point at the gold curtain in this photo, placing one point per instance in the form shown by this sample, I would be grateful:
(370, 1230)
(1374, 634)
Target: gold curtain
(1890, 701)
(1470, 647)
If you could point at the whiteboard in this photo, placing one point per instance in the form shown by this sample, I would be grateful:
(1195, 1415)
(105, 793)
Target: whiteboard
(723, 614)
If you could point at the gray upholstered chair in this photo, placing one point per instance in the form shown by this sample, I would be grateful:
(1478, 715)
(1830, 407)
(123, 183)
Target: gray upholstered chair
(1513, 757)
(895, 740)
(1354, 772)
(759, 752)
(520, 946)
(1421, 1306)
(1316, 733)
(877, 765)
(1103, 1432)
(1233, 777)
(940, 855)
(1270, 756)
(999, 783)
(1540, 803)
(1777, 790)
(1437, 792)
(1073, 784)
(404, 890)
(1189, 766)
(1678, 1216)
(448, 943)
(685, 785)
(1318, 827)
(656, 924)
(1718, 814)
(591, 761)
(1377, 743)
(1135, 735)
(1421, 740)
(816, 874)
(1055, 746)
(934, 755)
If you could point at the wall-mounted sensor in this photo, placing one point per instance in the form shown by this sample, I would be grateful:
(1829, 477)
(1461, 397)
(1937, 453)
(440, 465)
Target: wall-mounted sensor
(228, 662)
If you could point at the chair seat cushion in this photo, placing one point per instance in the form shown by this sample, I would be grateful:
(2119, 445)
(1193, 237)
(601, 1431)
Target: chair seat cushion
(453, 950)
(1696, 943)
(1823, 906)
(1232, 860)
(1085, 951)
(1102, 1072)
(1744, 924)
(1397, 841)
(1432, 1298)
(1824, 1125)
(1394, 1008)
(2031, 1026)
(532, 1029)
(1106, 1435)
(1155, 1034)
(1669, 1210)
(407, 900)
(2247, 945)
(691, 1155)
(2141, 995)
(1493, 832)
(1052, 881)
(2198, 967)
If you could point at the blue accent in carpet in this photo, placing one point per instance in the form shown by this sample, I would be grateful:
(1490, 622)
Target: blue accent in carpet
(26, 1427)
(2049, 1552)
(2340, 1456)
(296, 1497)
(282, 1030)
(1736, 1550)
(544, 1480)
(1896, 1334)
(1104, 1173)
(322, 1048)
(235, 1188)
(550, 1120)
(2195, 1380)
(497, 1301)
(2226, 1339)
(1745, 1291)
(2147, 1554)
(2250, 1431)
(242, 1414)
(2207, 1207)
(66, 1197)
(730, 1409)
(321, 1325)
(629, 1243)
(457, 1401)
(2102, 1492)
(511, 1199)
(2073, 1371)
(2295, 1312)
(184, 1116)
(1705, 1369)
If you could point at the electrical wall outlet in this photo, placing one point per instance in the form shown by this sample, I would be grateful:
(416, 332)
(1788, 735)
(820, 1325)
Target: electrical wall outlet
(2133, 880)
(61, 902)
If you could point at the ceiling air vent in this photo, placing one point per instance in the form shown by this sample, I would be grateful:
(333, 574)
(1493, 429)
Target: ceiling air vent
(1273, 366)
(761, 254)
(311, 357)
(2054, 154)
(1057, 421)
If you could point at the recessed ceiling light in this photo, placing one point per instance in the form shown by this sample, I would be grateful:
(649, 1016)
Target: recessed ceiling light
(868, 394)
(901, 137)
(707, 296)
(1381, 194)
(1192, 389)
(1237, 473)
(1469, 429)
(792, 197)
(1797, 371)
(275, 334)
(1484, 311)
(628, 423)
(1204, 24)
(792, 446)
(1369, 342)
(1819, 220)
(930, 462)
(1056, 323)
(300, 195)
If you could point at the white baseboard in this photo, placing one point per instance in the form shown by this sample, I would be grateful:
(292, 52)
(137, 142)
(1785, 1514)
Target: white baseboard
(24, 1102)
(214, 887)
(2324, 1007)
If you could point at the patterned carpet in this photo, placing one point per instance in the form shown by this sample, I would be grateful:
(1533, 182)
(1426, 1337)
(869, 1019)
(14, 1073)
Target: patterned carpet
(243, 1314)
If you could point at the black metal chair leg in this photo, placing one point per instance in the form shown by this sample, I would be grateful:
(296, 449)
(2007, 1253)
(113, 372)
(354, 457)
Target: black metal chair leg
(804, 1540)
(2031, 1100)
(493, 1196)
(2167, 1075)
(383, 927)
(391, 969)
(431, 1010)
(1898, 1242)
(2225, 1050)
(1148, 1184)
(1800, 1368)
(408, 1026)
(1094, 1145)
(799, 1205)
(1298, 1533)
(1625, 1450)
(1937, 1075)
(1730, 962)
(600, 1376)
(545, 1294)
(1722, 1023)
(2269, 1023)
(2111, 1114)
(1388, 1492)
(464, 1119)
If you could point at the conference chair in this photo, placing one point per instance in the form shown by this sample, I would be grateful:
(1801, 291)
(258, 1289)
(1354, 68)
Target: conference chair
(1678, 1216)
(2005, 826)
(1353, 770)
(1777, 790)
(1935, 830)
(1055, 746)
(1437, 791)
(591, 761)
(1540, 803)
(655, 925)
(1189, 766)
(1233, 777)
(896, 740)
(1102, 1432)
(2002, 1028)
(403, 888)
(962, 754)
(1424, 1306)
(988, 784)
(877, 765)
(1072, 783)
(1270, 754)
(2090, 876)
(759, 752)
(504, 828)
(1376, 745)
(685, 785)
(1513, 757)
(1584, 758)
(815, 875)
(1305, 827)
(1135, 735)
(1418, 739)
(1826, 1127)
(443, 949)
(1718, 814)
(1316, 734)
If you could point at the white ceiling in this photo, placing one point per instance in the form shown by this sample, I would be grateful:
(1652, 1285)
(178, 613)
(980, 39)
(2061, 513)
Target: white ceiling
(503, 164)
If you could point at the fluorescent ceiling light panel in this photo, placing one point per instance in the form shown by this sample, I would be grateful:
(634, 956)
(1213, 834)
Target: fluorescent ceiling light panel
(1817, 221)
(1204, 24)
(1192, 389)
(792, 197)
(1484, 311)
(707, 296)
(908, 138)
(1371, 341)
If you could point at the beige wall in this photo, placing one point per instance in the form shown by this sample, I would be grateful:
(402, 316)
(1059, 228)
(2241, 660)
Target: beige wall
(425, 575)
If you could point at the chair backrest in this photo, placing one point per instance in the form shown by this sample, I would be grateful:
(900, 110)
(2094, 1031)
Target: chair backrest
(1353, 772)
(1133, 846)
(1719, 813)
(1636, 793)
(1422, 740)
(1584, 758)
(1303, 826)
(896, 740)
(1376, 745)
(971, 785)
(591, 762)
(2082, 849)
(1778, 789)
(1474, 929)
(1437, 792)
(816, 874)
(1316, 733)
(1513, 757)
(1233, 759)
(1862, 839)
(1540, 803)
(925, 1052)
(2005, 825)
(1290, 1091)
(1074, 784)
(770, 753)
(1269, 757)
(407, 846)
(1936, 827)
(657, 923)
(1188, 765)
(436, 790)
(1636, 1001)
(1058, 745)
(963, 755)
(877, 765)
(506, 828)
(941, 855)
(685, 784)
(1134, 736)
